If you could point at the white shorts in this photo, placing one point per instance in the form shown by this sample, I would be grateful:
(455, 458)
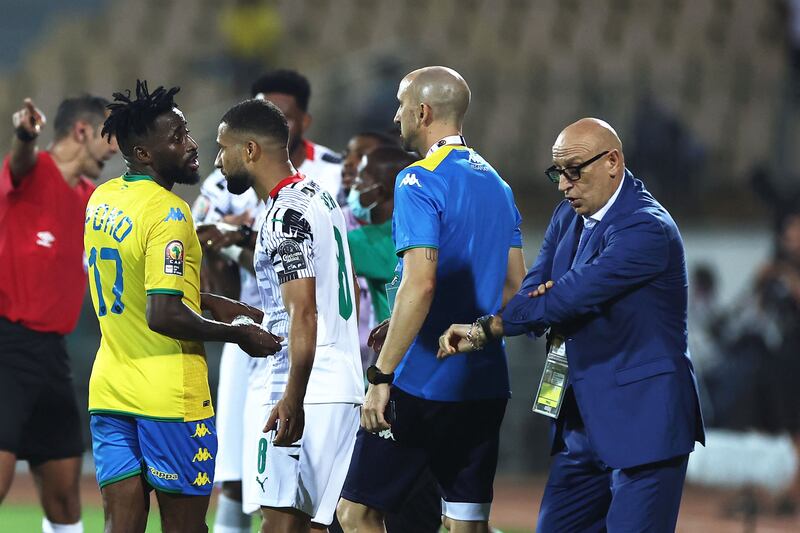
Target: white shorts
(230, 419)
(309, 475)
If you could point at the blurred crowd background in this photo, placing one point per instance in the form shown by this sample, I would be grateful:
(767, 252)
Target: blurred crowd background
(705, 95)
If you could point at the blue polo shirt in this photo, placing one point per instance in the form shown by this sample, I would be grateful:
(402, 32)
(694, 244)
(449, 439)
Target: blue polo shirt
(453, 200)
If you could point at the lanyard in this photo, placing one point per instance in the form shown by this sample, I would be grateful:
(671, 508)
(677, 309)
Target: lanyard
(450, 139)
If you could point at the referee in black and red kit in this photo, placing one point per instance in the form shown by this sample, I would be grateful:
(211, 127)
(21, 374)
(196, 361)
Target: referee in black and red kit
(43, 196)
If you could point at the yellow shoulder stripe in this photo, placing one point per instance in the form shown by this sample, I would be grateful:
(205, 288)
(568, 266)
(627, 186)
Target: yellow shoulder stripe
(435, 159)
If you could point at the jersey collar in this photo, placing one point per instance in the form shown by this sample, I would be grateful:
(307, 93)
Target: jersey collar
(294, 178)
(450, 139)
(136, 177)
(309, 149)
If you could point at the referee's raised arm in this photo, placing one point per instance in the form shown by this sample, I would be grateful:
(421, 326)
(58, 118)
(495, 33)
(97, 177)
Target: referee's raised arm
(28, 123)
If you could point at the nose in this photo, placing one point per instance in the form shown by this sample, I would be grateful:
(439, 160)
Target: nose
(396, 118)
(113, 145)
(564, 184)
(218, 160)
(191, 145)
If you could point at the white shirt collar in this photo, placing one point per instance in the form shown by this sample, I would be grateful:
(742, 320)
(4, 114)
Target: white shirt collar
(450, 139)
(590, 221)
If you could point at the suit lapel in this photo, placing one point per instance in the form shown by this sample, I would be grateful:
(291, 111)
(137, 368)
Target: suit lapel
(592, 247)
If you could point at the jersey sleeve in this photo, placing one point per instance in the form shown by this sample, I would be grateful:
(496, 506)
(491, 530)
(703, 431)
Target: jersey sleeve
(167, 238)
(288, 241)
(418, 208)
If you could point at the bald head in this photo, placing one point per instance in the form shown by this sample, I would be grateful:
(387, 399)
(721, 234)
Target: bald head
(588, 157)
(587, 135)
(441, 88)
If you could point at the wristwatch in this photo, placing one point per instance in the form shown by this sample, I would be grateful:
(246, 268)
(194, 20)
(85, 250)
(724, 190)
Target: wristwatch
(376, 377)
(485, 323)
(246, 232)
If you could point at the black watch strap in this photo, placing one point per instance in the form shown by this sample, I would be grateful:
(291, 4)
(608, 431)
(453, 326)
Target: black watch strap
(485, 323)
(376, 377)
(246, 232)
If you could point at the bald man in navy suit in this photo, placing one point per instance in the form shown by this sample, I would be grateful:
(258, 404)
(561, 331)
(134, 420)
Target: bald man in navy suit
(610, 283)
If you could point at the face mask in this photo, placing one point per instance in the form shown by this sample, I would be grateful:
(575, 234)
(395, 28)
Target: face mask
(362, 213)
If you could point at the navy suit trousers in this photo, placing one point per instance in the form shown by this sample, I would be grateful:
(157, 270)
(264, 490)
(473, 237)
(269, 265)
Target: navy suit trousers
(585, 495)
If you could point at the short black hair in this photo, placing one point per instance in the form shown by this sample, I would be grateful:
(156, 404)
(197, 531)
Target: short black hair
(130, 120)
(260, 117)
(85, 107)
(390, 160)
(284, 81)
(383, 138)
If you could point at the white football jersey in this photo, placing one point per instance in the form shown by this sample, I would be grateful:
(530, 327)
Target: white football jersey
(216, 202)
(324, 165)
(302, 234)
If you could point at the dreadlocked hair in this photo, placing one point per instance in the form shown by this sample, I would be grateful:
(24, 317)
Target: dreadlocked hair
(131, 119)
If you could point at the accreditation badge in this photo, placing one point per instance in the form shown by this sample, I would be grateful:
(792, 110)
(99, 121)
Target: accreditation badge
(391, 291)
(553, 383)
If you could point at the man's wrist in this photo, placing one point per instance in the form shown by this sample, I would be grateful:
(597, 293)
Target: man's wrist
(496, 326)
(25, 136)
(375, 376)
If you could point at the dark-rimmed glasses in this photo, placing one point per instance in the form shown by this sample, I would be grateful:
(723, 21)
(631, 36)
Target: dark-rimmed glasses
(571, 173)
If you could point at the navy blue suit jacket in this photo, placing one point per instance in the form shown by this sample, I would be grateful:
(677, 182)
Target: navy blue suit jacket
(622, 310)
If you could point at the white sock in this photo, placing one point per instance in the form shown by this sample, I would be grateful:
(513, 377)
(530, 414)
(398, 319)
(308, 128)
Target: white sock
(230, 518)
(49, 527)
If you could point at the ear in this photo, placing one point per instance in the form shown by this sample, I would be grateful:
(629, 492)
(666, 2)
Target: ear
(252, 151)
(615, 163)
(306, 122)
(425, 114)
(141, 154)
(81, 131)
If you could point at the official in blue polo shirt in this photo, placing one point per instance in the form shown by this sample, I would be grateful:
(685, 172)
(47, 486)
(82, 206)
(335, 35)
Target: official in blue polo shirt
(456, 230)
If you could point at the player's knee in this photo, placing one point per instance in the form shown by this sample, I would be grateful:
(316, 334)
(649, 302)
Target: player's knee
(355, 517)
(63, 507)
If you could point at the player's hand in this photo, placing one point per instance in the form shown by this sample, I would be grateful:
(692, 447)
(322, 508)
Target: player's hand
(214, 239)
(375, 403)
(245, 218)
(257, 341)
(29, 119)
(454, 341)
(225, 310)
(541, 289)
(289, 418)
(378, 335)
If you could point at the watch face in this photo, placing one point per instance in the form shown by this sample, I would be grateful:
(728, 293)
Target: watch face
(371, 371)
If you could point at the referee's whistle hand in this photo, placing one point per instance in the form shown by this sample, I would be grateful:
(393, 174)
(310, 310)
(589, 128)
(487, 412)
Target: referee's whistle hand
(541, 289)
(375, 403)
(29, 119)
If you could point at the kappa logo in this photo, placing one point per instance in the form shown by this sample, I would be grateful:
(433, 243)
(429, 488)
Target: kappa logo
(261, 483)
(45, 239)
(410, 179)
(175, 214)
(386, 434)
(202, 455)
(200, 430)
(163, 475)
(201, 479)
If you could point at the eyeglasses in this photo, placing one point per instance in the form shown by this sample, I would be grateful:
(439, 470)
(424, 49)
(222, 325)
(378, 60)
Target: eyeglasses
(571, 173)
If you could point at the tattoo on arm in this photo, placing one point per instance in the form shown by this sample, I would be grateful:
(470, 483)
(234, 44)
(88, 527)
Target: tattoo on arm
(431, 254)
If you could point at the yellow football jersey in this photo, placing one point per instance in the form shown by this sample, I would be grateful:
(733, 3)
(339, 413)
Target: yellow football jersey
(140, 240)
